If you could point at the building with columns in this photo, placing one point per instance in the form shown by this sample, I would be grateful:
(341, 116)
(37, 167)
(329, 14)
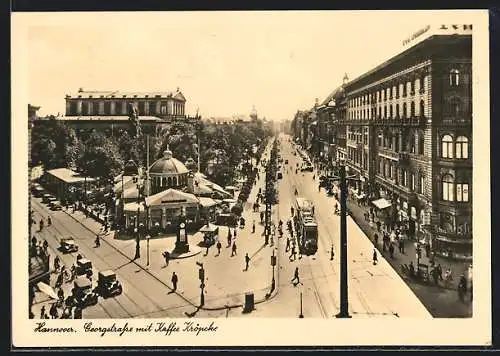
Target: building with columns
(408, 136)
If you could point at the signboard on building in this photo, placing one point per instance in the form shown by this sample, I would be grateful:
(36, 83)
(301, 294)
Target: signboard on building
(442, 29)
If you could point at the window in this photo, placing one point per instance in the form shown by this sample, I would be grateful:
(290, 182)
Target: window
(454, 106)
(164, 110)
(391, 90)
(391, 171)
(422, 184)
(448, 188)
(397, 111)
(380, 112)
(390, 110)
(413, 143)
(397, 91)
(85, 108)
(385, 112)
(412, 109)
(380, 165)
(380, 140)
(422, 83)
(405, 178)
(107, 108)
(447, 146)
(73, 108)
(404, 111)
(421, 143)
(461, 147)
(422, 108)
(404, 89)
(463, 192)
(413, 182)
(454, 77)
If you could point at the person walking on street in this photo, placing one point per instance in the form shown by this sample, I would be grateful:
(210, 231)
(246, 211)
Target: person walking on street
(261, 217)
(233, 250)
(391, 250)
(53, 311)
(97, 241)
(378, 225)
(219, 246)
(462, 287)
(166, 256)
(253, 227)
(49, 221)
(293, 254)
(375, 238)
(295, 277)
(41, 224)
(247, 261)
(375, 258)
(439, 271)
(43, 315)
(174, 280)
(234, 233)
(229, 238)
(287, 247)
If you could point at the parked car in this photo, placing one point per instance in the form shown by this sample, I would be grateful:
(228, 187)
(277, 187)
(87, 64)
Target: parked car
(307, 168)
(55, 205)
(68, 245)
(83, 295)
(280, 175)
(108, 285)
(47, 198)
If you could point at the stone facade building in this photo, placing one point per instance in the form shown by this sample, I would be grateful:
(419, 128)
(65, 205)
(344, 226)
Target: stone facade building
(408, 138)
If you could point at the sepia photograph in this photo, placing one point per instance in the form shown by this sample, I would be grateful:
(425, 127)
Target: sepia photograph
(187, 174)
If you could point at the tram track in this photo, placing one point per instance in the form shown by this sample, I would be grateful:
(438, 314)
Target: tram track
(60, 227)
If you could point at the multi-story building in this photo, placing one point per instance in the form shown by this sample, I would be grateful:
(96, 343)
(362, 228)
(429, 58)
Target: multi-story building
(408, 128)
(109, 111)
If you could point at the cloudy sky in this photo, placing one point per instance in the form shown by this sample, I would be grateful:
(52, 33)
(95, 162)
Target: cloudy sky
(224, 62)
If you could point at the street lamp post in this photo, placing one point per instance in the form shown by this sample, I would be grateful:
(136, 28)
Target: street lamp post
(301, 315)
(273, 263)
(201, 276)
(147, 240)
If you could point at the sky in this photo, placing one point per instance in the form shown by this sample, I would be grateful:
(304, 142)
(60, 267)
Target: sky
(223, 62)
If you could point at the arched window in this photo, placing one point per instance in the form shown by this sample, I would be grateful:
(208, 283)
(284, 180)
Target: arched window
(169, 182)
(412, 109)
(447, 146)
(454, 77)
(462, 147)
(422, 108)
(404, 111)
(448, 188)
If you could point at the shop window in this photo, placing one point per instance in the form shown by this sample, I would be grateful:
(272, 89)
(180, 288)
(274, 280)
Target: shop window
(461, 147)
(447, 146)
(447, 222)
(454, 77)
(448, 188)
(463, 192)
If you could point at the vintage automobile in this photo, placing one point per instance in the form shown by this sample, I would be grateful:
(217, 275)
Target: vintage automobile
(47, 198)
(286, 161)
(82, 292)
(83, 267)
(108, 285)
(68, 245)
(307, 167)
(55, 205)
(280, 175)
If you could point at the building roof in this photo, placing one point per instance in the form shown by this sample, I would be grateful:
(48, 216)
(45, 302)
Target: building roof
(116, 94)
(69, 176)
(106, 118)
(167, 165)
(334, 95)
(171, 196)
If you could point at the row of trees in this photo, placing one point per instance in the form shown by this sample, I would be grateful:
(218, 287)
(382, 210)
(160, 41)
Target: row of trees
(221, 147)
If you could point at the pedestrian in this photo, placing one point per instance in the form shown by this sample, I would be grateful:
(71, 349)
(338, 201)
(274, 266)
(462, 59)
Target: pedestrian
(261, 217)
(287, 247)
(247, 261)
(391, 250)
(427, 250)
(166, 256)
(295, 277)
(378, 225)
(375, 258)
(462, 287)
(43, 315)
(49, 221)
(97, 241)
(439, 271)
(77, 314)
(175, 279)
(207, 246)
(34, 241)
(291, 210)
(233, 249)
(56, 263)
(234, 233)
(53, 311)
(253, 227)
(293, 253)
(41, 224)
(229, 238)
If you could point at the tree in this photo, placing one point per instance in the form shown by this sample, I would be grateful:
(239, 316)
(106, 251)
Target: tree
(101, 157)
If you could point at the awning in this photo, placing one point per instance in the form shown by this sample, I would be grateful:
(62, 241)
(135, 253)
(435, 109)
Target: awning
(381, 203)
(208, 228)
(45, 288)
(207, 202)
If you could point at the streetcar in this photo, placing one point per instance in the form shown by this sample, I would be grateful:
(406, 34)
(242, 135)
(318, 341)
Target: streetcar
(306, 226)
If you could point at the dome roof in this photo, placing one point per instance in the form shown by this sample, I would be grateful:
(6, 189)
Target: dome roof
(168, 165)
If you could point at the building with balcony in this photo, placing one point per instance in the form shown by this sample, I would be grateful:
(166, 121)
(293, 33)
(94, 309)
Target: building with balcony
(408, 137)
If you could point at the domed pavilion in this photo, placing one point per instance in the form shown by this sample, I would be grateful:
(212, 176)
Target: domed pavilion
(168, 173)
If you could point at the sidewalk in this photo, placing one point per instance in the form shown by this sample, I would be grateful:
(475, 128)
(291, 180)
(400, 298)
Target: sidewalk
(226, 281)
(440, 300)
